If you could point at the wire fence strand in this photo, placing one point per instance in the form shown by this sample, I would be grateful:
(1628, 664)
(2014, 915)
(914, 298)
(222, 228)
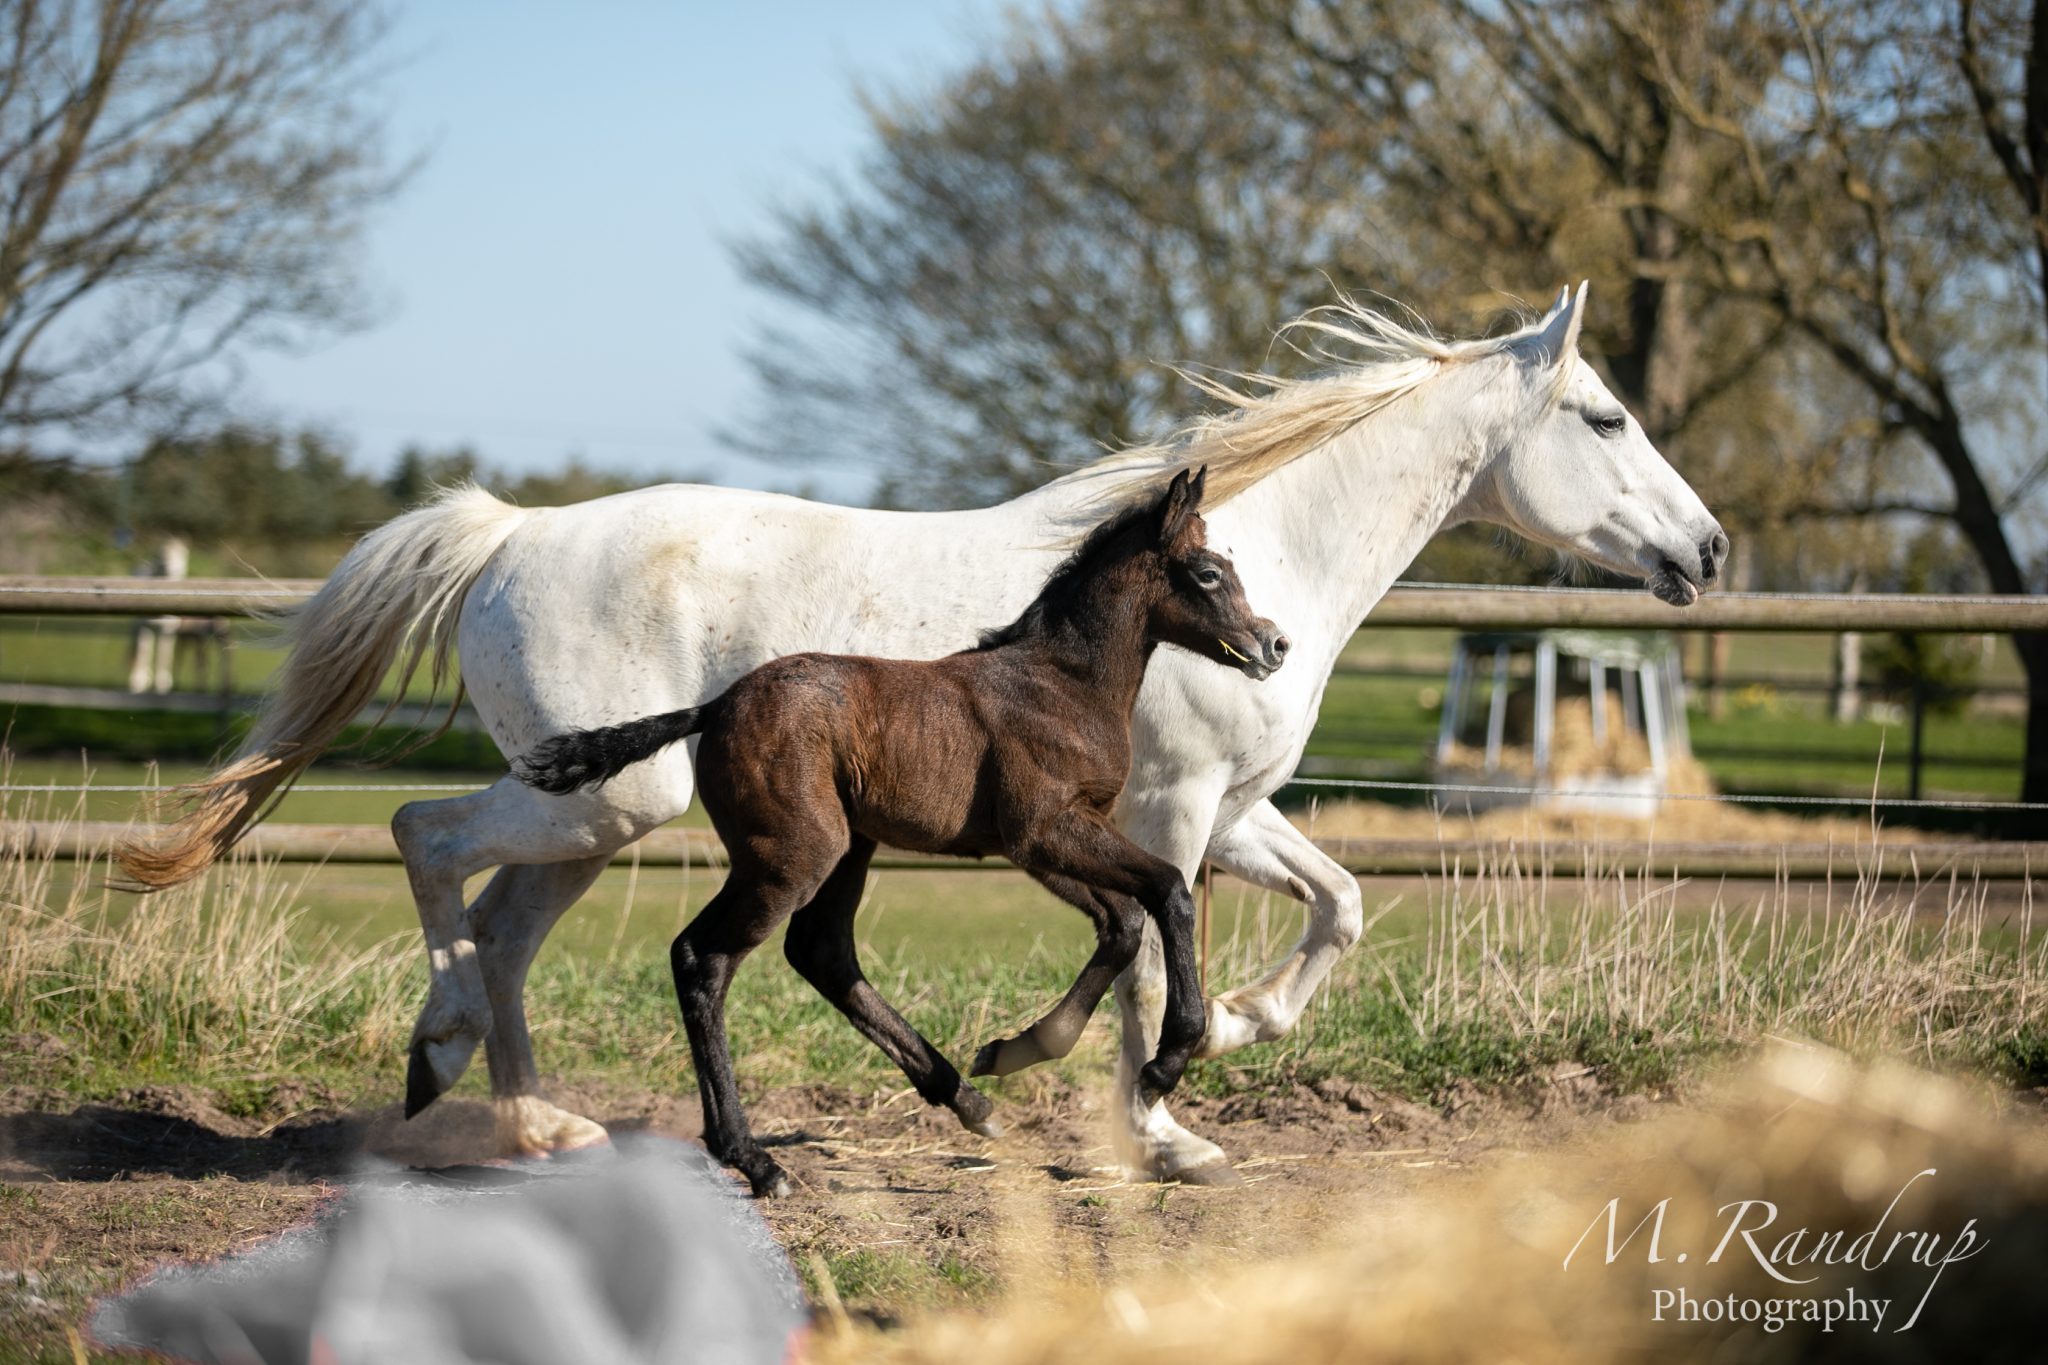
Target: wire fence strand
(1361, 783)
(1746, 798)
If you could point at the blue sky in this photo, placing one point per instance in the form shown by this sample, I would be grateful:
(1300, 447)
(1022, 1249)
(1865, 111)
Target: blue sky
(555, 280)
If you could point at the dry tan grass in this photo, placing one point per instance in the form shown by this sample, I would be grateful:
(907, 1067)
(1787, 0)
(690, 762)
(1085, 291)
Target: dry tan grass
(1481, 1274)
(1875, 958)
(221, 971)
(1704, 821)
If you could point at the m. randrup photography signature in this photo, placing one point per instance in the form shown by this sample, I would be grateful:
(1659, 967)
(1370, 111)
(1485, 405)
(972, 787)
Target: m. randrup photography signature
(1792, 1255)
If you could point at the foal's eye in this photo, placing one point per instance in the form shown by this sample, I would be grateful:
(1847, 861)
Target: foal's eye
(1208, 578)
(1608, 423)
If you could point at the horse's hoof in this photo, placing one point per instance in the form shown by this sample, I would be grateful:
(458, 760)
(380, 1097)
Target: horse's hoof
(422, 1087)
(776, 1186)
(987, 1128)
(985, 1060)
(1215, 1175)
(528, 1126)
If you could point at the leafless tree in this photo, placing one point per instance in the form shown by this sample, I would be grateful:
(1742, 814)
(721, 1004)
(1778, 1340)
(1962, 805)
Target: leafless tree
(1819, 224)
(1888, 209)
(1030, 251)
(178, 178)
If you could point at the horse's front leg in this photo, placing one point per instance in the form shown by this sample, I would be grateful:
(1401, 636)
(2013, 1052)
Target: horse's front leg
(1172, 820)
(1264, 849)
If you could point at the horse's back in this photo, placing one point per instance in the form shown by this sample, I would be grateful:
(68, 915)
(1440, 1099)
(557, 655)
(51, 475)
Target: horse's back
(661, 598)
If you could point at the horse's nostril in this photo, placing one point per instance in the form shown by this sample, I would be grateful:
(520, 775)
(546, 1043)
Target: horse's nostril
(1713, 553)
(1279, 647)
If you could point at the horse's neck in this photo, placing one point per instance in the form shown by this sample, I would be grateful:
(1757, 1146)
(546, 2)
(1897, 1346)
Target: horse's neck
(1321, 539)
(1100, 639)
(1334, 528)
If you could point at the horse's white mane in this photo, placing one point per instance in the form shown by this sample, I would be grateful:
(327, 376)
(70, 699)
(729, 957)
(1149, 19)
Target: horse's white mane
(1269, 422)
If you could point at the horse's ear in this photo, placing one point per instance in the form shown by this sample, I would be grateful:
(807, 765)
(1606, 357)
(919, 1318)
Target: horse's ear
(1183, 496)
(1555, 340)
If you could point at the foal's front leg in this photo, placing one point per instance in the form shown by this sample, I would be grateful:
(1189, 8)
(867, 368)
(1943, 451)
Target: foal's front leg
(1081, 844)
(1119, 930)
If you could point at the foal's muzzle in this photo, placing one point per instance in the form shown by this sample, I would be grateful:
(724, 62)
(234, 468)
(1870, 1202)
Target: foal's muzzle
(1269, 653)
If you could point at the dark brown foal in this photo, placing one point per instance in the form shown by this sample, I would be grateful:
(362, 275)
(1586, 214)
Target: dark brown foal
(1018, 747)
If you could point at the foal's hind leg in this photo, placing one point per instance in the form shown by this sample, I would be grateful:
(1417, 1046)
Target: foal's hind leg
(759, 893)
(1119, 929)
(820, 945)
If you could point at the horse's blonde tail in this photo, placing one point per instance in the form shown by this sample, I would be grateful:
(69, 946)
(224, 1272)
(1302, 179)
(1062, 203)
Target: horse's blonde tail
(396, 598)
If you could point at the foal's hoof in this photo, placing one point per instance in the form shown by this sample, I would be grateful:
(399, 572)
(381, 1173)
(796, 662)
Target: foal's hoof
(1006, 1055)
(1156, 1082)
(974, 1110)
(773, 1186)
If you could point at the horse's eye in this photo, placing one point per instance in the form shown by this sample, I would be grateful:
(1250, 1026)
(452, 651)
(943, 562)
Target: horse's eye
(1609, 423)
(1208, 578)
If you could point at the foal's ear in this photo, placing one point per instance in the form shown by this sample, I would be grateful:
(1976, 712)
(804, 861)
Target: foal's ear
(1183, 499)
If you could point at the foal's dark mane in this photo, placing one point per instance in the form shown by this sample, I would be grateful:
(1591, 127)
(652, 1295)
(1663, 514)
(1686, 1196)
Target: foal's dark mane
(1068, 584)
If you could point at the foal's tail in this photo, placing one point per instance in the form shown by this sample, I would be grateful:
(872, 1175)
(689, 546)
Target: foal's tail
(585, 758)
(396, 597)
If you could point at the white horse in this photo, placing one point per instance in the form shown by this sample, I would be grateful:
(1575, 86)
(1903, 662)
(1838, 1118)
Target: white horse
(1322, 490)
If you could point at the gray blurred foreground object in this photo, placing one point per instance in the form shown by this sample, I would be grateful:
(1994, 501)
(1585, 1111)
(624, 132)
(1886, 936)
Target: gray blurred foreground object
(644, 1255)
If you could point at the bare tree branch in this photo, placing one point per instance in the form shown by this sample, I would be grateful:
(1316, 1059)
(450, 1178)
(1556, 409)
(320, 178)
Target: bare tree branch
(178, 178)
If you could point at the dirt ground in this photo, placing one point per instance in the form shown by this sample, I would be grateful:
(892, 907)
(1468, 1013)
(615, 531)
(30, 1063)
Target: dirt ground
(896, 1205)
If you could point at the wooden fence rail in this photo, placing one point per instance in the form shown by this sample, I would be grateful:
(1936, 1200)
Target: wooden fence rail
(1454, 608)
(1364, 857)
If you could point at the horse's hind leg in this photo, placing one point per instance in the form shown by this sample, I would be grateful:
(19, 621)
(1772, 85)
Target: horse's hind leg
(820, 946)
(443, 844)
(1119, 930)
(510, 920)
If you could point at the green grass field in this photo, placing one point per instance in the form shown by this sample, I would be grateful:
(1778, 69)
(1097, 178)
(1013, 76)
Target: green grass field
(1763, 744)
(967, 945)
